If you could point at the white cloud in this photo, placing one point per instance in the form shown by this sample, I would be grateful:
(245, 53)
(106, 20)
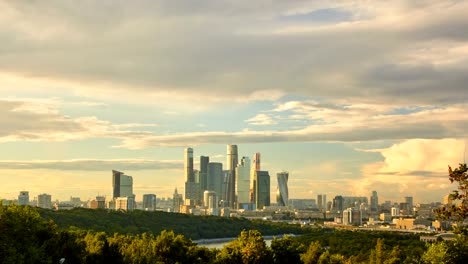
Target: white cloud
(261, 120)
(416, 167)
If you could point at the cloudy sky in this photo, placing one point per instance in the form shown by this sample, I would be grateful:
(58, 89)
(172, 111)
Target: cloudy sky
(348, 96)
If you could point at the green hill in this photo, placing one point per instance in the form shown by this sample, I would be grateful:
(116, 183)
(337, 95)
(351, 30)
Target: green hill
(137, 222)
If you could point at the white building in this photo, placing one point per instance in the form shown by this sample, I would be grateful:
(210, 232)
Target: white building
(44, 201)
(395, 211)
(125, 203)
(23, 198)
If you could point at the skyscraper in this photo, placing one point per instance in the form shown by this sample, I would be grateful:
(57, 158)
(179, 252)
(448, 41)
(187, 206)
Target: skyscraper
(256, 162)
(122, 184)
(232, 161)
(282, 195)
(320, 202)
(243, 183)
(204, 160)
(188, 165)
(374, 202)
(23, 198)
(177, 201)
(215, 178)
(255, 167)
(149, 202)
(261, 189)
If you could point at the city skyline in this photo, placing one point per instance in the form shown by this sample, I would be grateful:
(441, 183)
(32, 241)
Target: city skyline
(348, 97)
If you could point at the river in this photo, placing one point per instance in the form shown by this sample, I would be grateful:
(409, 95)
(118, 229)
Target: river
(220, 242)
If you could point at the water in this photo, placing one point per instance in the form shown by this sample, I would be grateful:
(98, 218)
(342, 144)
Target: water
(219, 243)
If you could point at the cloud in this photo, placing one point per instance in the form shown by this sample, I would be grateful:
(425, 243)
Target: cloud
(91, 164)
(416, 167)
(36, 121)
(242, 51)
(351, 123)
(261, 120)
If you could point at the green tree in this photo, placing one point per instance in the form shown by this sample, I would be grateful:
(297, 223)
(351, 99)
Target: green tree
(312, 255)
(250, 247)
(458, 211)
(286, 250)
(436, 254)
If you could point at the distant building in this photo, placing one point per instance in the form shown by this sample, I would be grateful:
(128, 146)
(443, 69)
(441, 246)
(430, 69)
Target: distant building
(177, 201)
(215, 178)
(354, 201)
(338, 203)
(395, 211)
(303, 204)
(203, 174)
(210, 200)
(122, 184)
(282, 194)
(23, 198)
(44, 201)
(322, 202)
(261, 189)
(149, 202)
(232, 161)
(352, 216)
(75, 201)
(243, 183)
(125, 203)
(98, 203)
(374, 202)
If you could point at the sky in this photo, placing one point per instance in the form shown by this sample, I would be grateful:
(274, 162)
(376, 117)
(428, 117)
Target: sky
(347, 96)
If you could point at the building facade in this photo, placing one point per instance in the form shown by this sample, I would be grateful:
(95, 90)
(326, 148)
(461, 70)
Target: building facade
(243, 183)
(282, 194)
(149, 202)
(261, 189)
(232, 161)
(23, 198)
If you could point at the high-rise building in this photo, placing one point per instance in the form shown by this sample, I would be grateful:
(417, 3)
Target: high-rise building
(232, 160)
(338, 203)
(374, 202)
(177, 201)
(122, 184)
(209, 199)
(188, 165)
(255, 167)
(322, 202)
(226, 187)
(261, 189)
(204, 160)
(149, 202)
(243, 183)
(215, 178)
(98, 203)
(409, 201)
(395, 211)
(256, 162)
(44, 200)
(282, 194)
(23, 198)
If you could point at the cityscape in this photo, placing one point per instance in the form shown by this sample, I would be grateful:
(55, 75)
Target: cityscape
(242, 188)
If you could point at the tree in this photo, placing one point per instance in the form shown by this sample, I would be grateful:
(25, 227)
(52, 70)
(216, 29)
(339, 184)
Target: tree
(458, 211)
(312, 255)
(286, 250)
(250, 247)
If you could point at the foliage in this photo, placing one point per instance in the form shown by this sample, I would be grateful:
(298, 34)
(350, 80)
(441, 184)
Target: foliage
(138, 222)
(249, 248)
(458, 211)
(286, 250)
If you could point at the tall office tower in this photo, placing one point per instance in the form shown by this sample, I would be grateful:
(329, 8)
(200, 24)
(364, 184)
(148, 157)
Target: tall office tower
(256, 162)
(149, 202)
(215, 178)
(177, 201)
(374, 202)
(261, 189)
(204, 160)
(282, 195)
(320, 202)
(352, 216)
(44, 200)
(188, 165)
(409, 201)
(395, 211)
(243, 183)
(324, 202)
(99, 203)
(338, 203)
(122, 184)
(23, 198)
(232, 161)
(226, 186)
